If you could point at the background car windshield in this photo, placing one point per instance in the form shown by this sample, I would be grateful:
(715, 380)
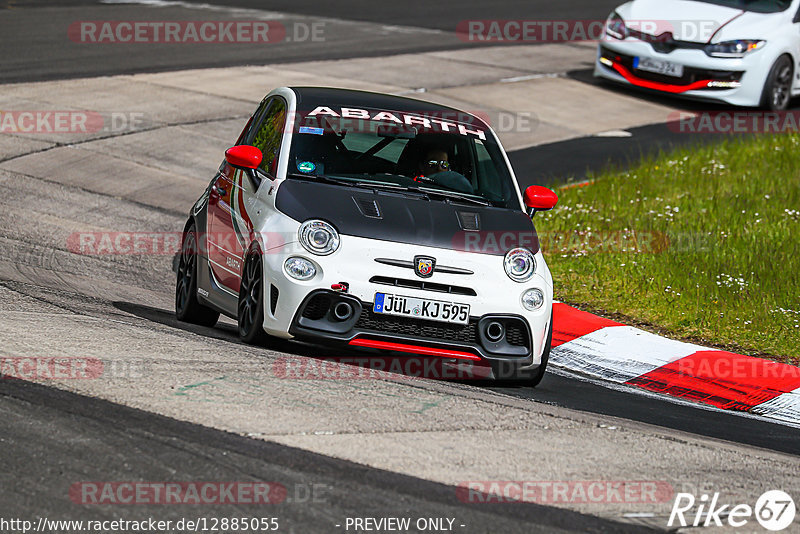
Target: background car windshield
(388, 154)
(759, 6)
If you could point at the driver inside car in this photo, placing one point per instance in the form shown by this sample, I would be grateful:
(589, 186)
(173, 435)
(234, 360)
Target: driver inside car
(433, 162)
(434, 168)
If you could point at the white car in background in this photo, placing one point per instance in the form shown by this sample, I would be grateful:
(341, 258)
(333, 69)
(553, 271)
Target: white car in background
(740, 52)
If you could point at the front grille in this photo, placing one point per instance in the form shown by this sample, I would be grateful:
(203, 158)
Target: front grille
(423, 285)
(273, 298)
(690, 74)
(388, 324)
(665, 43)
(317, 307)
(516, 334)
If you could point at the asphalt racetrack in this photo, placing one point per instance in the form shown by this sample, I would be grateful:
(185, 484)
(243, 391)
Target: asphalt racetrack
(184, 403)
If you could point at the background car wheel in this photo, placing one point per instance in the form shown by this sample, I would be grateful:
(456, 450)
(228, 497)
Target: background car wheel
(250, 312)
(187, 308)
(526, 377)
(778, 89)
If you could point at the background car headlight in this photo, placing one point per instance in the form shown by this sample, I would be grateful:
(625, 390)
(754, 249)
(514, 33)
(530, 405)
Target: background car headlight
(520, 264)
(318, 237)
(734, 49)
(615, 26)
(533, 299)
(300, 268)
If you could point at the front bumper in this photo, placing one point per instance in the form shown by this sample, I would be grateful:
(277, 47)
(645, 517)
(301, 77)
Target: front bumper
(317, 320)
(305, 310)
(739, 82)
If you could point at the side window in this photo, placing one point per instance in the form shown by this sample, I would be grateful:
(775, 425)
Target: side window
(269, 134)
(248, 131)
(489, 180)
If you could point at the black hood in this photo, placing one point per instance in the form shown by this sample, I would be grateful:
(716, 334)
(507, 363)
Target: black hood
(405, 218)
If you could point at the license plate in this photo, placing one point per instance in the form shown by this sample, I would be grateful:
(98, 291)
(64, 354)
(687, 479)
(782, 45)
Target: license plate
(667, 68)
(432, 310)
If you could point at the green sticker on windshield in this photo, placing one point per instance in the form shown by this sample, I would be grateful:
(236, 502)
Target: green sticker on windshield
(306, 166)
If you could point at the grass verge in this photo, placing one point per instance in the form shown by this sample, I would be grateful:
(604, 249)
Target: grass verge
(702, 243)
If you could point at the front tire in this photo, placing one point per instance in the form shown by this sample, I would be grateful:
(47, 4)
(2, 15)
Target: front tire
(187, 308)
(250, 312)
(778, 87)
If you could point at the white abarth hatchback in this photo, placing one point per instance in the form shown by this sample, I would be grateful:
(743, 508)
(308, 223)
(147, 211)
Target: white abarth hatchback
(374, 222)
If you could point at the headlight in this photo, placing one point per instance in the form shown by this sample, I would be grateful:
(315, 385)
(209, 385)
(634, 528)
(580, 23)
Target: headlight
(533, 299)
(520, 264)
(300, 268)
(734, 49)
(615, 26)
(318, 237)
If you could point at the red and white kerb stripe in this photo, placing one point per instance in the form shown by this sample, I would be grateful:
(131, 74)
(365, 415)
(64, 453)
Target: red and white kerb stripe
(606, 350)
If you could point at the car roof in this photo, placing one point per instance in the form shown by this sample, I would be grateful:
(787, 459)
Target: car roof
(311, 97)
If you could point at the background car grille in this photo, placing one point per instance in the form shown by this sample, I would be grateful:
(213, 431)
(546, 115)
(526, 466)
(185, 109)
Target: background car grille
(369, 320)
(690, 74)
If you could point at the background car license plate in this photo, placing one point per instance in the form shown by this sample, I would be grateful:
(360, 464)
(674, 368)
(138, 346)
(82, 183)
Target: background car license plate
(432, 310)
(667, 68)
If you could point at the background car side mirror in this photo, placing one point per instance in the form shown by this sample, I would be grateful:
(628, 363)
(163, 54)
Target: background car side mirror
(245, 157)
(538, 198)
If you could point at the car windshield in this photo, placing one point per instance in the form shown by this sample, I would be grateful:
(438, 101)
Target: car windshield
(446, 156)
(758, 6)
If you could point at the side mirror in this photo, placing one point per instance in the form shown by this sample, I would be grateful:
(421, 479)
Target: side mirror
(248, 158)
(538, 198)
(244, 156)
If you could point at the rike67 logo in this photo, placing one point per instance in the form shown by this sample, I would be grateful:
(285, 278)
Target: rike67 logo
(774, 510)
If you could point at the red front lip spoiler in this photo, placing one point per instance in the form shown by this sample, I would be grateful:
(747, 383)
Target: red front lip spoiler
(658, 86)
(414, 349)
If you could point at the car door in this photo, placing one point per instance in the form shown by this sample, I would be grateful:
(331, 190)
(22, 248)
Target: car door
(229, 223)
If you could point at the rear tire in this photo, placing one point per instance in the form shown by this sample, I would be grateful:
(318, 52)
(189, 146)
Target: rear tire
(250, 312)
(187, 308)
(778, 87)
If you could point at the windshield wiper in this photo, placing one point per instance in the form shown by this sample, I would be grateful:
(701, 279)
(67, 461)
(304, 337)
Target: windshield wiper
(449, 195)
(327, 179)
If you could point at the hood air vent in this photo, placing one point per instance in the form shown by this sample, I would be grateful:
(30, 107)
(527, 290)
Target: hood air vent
(368, 207)
(469, 220)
